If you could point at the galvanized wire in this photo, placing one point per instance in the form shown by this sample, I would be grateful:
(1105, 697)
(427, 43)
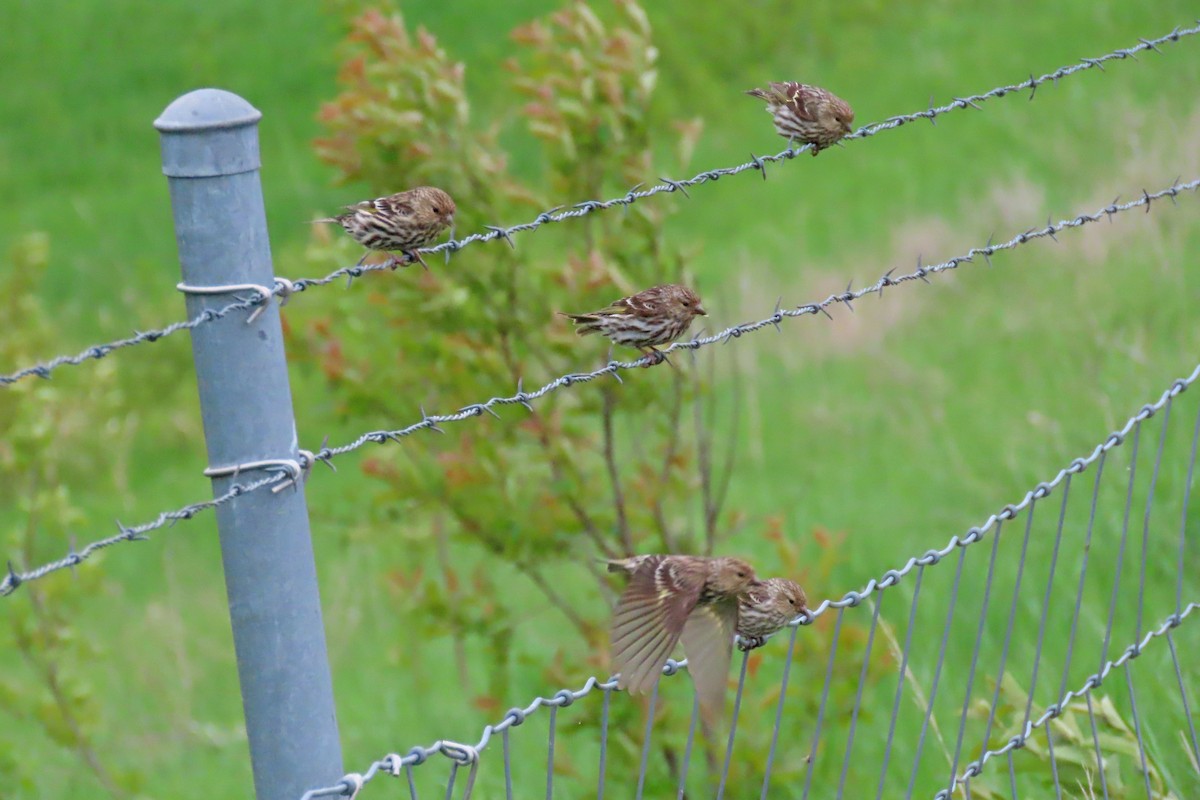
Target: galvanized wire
(433, 422)
(393, 763)
(758, 164)
(1093, 681)
(98, 351)
(137, 533)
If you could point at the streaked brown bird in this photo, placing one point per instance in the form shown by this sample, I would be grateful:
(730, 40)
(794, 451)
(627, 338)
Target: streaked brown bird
(659, 315)
(670, 598)
(766, 607)
(807, 114)
(400, 222)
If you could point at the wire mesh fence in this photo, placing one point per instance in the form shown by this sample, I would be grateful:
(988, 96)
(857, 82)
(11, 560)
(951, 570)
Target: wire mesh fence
(972, 703)
(975, 702)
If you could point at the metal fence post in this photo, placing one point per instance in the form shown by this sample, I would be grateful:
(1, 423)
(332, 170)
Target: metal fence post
(211, 159)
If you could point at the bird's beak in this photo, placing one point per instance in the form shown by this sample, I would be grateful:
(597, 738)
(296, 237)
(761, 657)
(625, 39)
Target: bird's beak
(700, 310)
(447, 251)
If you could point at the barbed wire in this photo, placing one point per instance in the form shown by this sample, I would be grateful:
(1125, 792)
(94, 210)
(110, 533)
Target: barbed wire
(306, 459)
(284, 288)
(736, 331)
(137, 533)
(99, 351)
(463, 754)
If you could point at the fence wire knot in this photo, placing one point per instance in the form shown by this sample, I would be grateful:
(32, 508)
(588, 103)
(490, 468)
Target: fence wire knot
(461, 754)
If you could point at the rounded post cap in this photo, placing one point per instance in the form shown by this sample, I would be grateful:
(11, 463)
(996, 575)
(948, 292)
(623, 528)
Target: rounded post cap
(206, 109)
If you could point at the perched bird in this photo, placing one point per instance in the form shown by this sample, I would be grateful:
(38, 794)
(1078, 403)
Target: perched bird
(658, 315)
(399, 222)
(768, 606)
(806, 113)
(671, 598)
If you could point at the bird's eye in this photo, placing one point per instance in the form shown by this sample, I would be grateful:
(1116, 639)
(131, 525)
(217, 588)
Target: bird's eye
(437, 210)
(792, 600)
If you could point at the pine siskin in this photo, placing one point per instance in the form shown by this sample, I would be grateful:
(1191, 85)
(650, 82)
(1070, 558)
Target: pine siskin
(806, 113)
(658, 315)
(399, 222)
(672, 598)
(767, 607)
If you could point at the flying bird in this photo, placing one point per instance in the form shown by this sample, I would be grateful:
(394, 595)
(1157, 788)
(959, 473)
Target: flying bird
(656, 316)
(807, 114)
(673, 598)
(766, 607)
(400, 222)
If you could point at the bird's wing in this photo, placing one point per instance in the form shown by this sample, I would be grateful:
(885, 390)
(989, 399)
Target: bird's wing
(383, 205)
(707, 641)
(797, 96)
(648, 621)
(396, 205)
(647, 302)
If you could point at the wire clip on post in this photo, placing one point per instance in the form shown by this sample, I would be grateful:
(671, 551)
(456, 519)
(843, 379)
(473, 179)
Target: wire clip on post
(283, 289)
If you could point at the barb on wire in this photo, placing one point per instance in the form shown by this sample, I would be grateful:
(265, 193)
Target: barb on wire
(433, 421)
(1093, 682)
(254, 304)
(393, 762)
(560, 213)
(137, 533)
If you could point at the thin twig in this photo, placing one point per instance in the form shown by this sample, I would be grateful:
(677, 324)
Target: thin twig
(614, 476)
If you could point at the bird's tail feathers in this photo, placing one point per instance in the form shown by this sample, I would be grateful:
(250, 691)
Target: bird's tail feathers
(588, 323)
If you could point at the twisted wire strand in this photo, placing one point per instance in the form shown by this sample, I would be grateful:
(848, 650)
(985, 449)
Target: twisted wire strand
(137, 533)
(1131, 652)
(393, 763)
(759, 163)
(559, 214)
(433, 422)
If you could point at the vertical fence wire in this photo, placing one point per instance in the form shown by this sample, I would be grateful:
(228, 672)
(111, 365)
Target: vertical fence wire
(1083, 571)
(902, 675)
(508, 790)
(833, 648)
(412, 786)
(1041, 636)
(983, 609)
(1187, 496)
(937, 672)
(1116, 590)
(646, 740)
(687, 750)
(1053, 762)
(1008, 631)
(1096, 744)
(1187, 708)
(1137, 729)
(737, 707)
(783, 686)
(862, 682)
(603, 745)
(550, 753)
(1162, 441)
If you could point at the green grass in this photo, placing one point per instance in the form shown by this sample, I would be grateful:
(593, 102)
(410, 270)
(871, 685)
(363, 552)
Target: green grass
(899, 427)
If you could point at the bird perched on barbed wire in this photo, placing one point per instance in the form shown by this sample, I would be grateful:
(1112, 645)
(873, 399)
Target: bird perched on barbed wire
(807, 114)
(659, 315)
(672, 598)
(766, 607)
(401, 222)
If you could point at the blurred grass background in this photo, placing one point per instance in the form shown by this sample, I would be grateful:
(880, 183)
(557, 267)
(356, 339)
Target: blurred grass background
(888, 431)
